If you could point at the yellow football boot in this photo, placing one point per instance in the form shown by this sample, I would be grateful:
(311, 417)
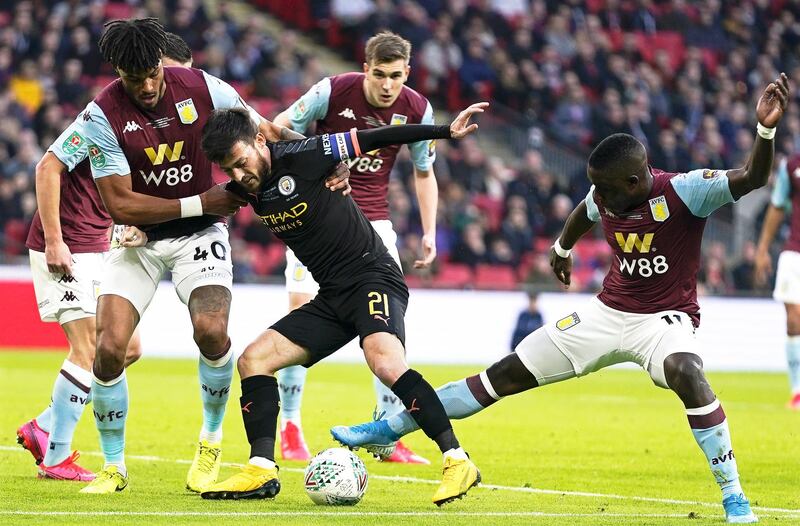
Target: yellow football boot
(205, 466)
(458, 476)
(109, 480)
(252, 482)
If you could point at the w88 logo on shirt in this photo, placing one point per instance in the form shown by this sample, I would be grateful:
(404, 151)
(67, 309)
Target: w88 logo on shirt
(365, 164)
(639, 266)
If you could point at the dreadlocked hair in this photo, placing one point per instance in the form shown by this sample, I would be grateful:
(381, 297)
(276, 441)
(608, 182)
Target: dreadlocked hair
(133, 45)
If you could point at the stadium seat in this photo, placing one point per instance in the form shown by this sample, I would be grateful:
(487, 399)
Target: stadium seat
(452, 276)
(15, 233)
(497, 277)
(118, 10)
(492, 208)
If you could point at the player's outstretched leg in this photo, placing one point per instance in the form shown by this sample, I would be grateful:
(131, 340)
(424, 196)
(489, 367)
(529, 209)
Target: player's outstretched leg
(460, 399)
(291, 382)
(387, 406)
(209, 307)
(684, 374)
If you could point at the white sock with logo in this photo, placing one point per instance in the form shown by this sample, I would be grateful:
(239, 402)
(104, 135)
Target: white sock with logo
(710, 429)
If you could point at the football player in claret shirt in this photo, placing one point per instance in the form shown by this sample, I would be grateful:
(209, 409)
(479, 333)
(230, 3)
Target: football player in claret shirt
(376, 97)
(68, 243)
(143, 133)
(785, 197)
(362, 291)
(646, 313)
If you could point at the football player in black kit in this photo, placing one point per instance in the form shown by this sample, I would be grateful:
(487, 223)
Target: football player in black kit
(362, 291)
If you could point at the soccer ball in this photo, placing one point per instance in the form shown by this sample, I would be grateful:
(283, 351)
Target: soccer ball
(336, 477)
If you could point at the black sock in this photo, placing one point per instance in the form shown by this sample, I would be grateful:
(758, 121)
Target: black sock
(260, 403)
(425, 408)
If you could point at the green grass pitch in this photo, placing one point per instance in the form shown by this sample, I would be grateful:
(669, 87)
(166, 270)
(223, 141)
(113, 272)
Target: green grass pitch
(606, 449)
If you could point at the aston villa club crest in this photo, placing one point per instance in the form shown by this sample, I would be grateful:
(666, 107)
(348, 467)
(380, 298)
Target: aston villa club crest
(659, 208)
(286, 185)
(398, 119)
(186, 111)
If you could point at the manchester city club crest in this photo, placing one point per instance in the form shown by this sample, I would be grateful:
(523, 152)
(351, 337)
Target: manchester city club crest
(186, 111)
(659, 208)
(286, 185)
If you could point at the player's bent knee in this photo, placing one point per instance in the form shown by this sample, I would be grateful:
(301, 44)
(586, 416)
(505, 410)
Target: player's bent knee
(210, 334)
(683, 370)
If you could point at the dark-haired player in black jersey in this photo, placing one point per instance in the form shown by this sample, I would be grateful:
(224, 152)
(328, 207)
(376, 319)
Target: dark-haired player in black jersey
(362, 291)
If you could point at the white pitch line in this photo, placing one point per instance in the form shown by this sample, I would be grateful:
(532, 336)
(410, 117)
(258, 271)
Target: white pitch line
(337, 513)
(518, 489)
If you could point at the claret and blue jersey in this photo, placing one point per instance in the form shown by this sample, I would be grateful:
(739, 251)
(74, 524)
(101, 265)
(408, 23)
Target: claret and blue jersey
(656, 246)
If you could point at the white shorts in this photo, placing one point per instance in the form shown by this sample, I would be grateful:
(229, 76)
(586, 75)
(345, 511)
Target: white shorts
(203, 258)
(64, 298)
(300, 280)
(596, 336)
(787, 278)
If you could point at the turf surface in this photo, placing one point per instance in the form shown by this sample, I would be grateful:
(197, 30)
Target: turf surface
(605, 449)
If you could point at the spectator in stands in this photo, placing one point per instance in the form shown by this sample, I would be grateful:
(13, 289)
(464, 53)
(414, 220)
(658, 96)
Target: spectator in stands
(528, 320)
(471, 249)
(475, 72)
(440, 56)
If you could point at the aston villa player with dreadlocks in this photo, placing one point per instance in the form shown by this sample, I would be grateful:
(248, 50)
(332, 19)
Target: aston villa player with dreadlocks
(143, 133)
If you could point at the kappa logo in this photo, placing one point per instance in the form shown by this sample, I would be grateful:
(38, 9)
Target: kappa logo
(347, 113)
(69, 296)
(66, 278)
(286, 185)
(131, 126)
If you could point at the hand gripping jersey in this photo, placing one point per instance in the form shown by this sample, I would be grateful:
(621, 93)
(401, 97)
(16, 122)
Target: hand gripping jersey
(786, 195)
(337, 104)
(657, 245)
(84, 220)
(159, 148)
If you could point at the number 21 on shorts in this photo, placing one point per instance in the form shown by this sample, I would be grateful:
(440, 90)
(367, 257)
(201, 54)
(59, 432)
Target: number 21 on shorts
(378, 303)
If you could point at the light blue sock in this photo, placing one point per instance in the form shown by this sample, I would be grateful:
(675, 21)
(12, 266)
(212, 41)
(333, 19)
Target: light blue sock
(387, 403)
(215, 388)
(793, 359)
(43, 420)
(715, 441)
(458, 402)
(291, 382)
(110, 412)
(70, 396)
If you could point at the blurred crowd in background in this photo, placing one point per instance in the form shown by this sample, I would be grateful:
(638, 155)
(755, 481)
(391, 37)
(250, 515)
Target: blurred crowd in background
(681, 76)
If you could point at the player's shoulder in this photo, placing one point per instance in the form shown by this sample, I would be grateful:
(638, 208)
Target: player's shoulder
(345, 82)
(186, 77)
(412, 100)
(110, 95)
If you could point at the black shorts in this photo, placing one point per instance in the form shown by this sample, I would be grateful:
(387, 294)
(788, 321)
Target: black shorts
(336, 316)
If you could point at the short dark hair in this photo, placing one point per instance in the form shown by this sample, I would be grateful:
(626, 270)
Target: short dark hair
(133, 45)
(223, 129)
(387, 47)
(613, 149)
(177, 49)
